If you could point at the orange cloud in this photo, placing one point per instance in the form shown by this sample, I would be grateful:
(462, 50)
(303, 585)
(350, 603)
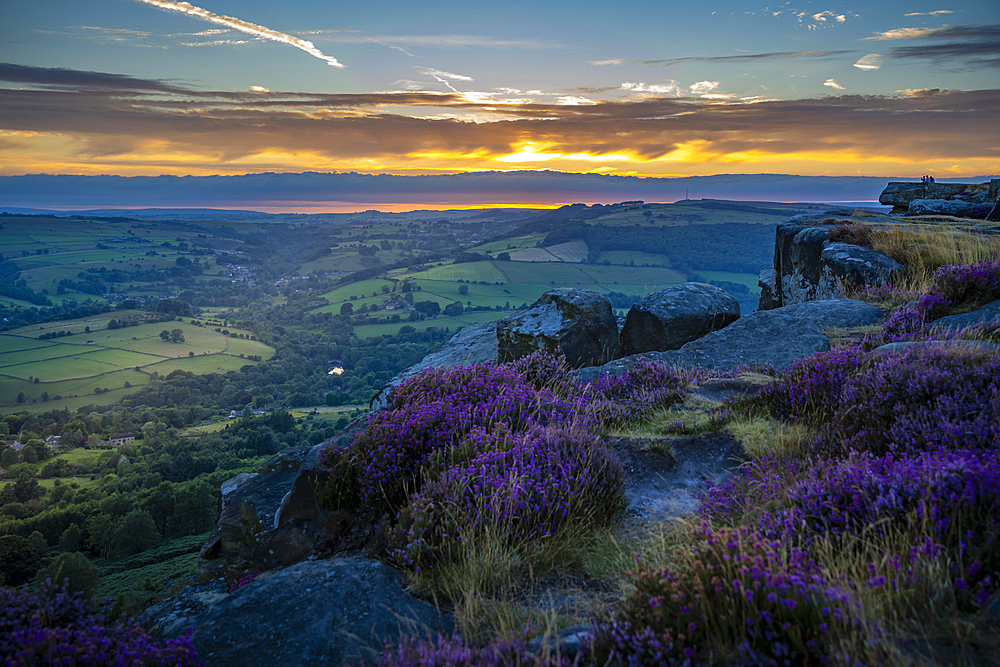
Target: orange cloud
(86, 122)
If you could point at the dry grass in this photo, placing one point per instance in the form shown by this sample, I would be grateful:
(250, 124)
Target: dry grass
(762, 437)
(496, 587)
(922, 248)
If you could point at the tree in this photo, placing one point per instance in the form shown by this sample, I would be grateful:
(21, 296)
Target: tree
(503, 257)
(19, 560)
(160, 506)
(453, 309)
(176, 335)
(165, 335)
(75, 570)
(463, 290)
(136, 533)
(347, 309)
(70, 538)
(38, 541)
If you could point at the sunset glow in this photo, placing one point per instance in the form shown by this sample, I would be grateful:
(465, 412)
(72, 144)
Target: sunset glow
(663, 89)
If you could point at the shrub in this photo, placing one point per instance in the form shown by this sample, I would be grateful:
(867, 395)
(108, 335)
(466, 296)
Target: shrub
(628, 398)
(738, 597)
(51, 626)
(432, 412)
(953, 497)
(917, 398)
(527, 487)
(920, 398)
(810, 390)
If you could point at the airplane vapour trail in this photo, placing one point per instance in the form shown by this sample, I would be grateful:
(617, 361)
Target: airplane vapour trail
(243, 26)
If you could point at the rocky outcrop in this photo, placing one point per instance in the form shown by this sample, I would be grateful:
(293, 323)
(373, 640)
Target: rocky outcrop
(988, 314)
(810, 267)
(667, 319)
(274, 519)
(922, 198)
(577, 322)
(472, 345)
(774, 337)
(315, 613)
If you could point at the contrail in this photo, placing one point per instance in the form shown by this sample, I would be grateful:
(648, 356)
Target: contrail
(243, 26)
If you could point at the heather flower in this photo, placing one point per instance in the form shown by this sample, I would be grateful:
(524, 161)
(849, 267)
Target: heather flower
(53, 627)
(763, 602)
(530, 487)
(630, 397)
(433, 412)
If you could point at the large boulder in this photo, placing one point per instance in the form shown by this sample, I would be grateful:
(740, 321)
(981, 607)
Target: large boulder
(808, 266)
(901, 194)
(955, 207)
(274, 518)
(667, 319)
(577, 322)
(851, 266)
(316, 613)
(476, 344)
(773, 337)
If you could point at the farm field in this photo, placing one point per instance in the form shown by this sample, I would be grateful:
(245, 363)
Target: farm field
(116, 361)
(451, 323)
(748, 279)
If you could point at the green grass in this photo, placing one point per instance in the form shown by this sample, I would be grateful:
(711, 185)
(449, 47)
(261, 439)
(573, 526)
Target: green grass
(464, 320)
(748, 279)
(72, 369)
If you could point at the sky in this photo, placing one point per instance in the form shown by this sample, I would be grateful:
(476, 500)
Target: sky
(649, 88)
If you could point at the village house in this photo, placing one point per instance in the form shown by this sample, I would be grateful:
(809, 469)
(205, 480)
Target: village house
(53, 441)
(119, 439)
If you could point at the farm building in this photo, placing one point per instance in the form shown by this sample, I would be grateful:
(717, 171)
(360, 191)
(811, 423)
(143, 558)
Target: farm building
(119, 439)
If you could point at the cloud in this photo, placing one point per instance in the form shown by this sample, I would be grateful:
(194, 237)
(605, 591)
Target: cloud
(107, 119)
(975, 54)
(703, 87)
(259, 89)
(832, 83)
(940, 11)
(438, 74)
(613, 61)
(57, 76)
(243, 26)
(748, 58)
(977, 45)
(870, 62)
(669, 88)
(903, 33)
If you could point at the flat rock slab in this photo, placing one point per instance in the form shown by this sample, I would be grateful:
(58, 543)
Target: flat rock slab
(776, 337)
(315, 613)
(988, 314)
(661, 485)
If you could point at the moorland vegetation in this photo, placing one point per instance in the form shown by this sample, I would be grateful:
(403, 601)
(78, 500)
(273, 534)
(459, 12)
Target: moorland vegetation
(860, 530)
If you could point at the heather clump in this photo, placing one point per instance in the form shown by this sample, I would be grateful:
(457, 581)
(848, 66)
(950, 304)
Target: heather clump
(547, 370)
(431, 413)
(621, 400)
(735, 597)
(955, 288)
(919, 398)
(49, 626)
(810, 391)
(529, 487)
(948, 499)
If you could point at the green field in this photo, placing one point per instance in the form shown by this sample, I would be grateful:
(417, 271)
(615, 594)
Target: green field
(748, 279)
(73, 367)
(452, 323)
